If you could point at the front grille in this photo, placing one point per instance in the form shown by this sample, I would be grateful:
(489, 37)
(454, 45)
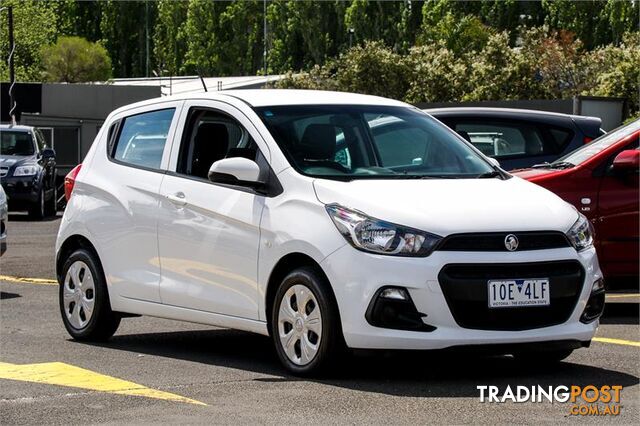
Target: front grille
(465, 288)
(494, 241)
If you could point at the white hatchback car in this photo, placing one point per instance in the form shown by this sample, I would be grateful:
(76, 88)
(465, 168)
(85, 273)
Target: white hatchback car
(326, 220)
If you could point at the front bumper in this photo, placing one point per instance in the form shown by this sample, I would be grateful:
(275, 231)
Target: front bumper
(357, 276)
(21, 190)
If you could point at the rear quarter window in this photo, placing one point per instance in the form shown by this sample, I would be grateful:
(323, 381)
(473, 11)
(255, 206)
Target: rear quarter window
(512, 138)
(142, 137)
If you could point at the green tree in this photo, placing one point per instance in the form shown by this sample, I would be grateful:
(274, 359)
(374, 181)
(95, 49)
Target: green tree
(202, 32)
(35, 24)
(594, 22)
(169, 35)
(75, 60)
(459, 32)
(437, 74)
(124, 26)
(615, 71)
(304, 33)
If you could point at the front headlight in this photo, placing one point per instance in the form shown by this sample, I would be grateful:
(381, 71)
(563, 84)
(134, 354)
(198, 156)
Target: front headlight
(26, 170)
(581, 233)
(377, 236)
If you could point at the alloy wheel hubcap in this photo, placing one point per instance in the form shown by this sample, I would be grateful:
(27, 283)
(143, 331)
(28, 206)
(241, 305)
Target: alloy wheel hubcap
(79, 294)
(300, 324)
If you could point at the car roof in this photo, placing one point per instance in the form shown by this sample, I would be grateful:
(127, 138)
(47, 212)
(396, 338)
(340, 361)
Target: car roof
(496, 111)
(279, 97)
(16, 127)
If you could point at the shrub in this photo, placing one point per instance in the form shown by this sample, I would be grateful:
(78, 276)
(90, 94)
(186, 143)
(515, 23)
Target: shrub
(74, 60)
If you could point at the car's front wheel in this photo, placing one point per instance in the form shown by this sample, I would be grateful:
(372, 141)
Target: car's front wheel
(305, 324)
(37, 209)
(51, 206)
(84, 299)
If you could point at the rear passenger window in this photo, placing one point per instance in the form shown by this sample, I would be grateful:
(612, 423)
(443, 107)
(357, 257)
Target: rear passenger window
(506, 139)
(142, 138)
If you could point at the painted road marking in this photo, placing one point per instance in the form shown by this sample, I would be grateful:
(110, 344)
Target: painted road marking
(61, 374)
(622, 296)
(41, 281)
(616, 341)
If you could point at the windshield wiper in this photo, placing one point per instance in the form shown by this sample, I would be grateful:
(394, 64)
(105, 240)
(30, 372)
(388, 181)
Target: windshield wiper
(489, 175)
(558, 165)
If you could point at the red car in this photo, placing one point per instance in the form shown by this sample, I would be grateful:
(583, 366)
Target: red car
(601, 180)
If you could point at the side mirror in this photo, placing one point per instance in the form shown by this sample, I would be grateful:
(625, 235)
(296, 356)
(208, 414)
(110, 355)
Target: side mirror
(236, 170)
(48, 153)
(494, 161)
(626, 162)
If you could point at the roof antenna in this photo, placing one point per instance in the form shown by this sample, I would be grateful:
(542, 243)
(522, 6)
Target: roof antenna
(202, 80)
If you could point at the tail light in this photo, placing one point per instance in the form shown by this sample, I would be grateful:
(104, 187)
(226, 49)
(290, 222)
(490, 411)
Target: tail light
(70, 181)
(586, 140)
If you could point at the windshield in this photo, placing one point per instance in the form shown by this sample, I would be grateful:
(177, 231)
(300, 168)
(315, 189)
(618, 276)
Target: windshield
(357, 142)
(587, 151)
(16, 143)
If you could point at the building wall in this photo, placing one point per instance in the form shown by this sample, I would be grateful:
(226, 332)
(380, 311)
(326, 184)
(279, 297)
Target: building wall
(71, 115)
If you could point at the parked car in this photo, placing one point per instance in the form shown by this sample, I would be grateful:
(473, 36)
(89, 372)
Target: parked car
(520, 138)
(28, 170)
(280, 212)
(3, 221)
(601, 181)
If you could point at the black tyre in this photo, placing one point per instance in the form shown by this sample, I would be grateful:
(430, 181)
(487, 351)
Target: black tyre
(543, 357)
(84, 299)
(51, 205)
(305, 323)
(37, 209)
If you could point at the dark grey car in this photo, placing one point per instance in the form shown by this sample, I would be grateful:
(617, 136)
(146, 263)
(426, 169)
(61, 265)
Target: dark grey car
(520, 138)
(27, 171)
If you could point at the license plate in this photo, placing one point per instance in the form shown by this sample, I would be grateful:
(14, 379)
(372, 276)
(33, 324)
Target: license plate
(519, 293)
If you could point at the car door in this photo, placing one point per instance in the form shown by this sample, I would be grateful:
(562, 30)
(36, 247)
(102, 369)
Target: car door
(617, 219)
(122, 201)
(208, 234)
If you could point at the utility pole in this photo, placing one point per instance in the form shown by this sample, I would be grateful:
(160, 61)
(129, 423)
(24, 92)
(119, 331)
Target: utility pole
(12, 71)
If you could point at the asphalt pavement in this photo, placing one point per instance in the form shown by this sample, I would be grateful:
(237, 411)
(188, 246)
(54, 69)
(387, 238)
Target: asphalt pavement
(162, 371)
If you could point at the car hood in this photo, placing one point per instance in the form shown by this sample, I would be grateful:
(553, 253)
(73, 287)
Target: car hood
(449, 206)
(534, 173)
(13, 160)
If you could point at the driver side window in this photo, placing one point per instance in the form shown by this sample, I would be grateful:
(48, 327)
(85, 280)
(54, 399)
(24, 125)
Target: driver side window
(212, 136)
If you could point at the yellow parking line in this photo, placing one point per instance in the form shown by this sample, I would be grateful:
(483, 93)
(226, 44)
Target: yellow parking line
(61, 374)
(22, 280)
(621, 296)
(616, 341)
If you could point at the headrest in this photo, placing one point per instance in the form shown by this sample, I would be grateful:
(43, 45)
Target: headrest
(318, 142)
(215, 135)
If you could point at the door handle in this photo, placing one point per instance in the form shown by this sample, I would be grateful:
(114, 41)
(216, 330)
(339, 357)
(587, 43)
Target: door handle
(178, 199)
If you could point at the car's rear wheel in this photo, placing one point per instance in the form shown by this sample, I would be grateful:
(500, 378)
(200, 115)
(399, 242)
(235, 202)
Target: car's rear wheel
(305, 325)
(84, 299)
(37, 209)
